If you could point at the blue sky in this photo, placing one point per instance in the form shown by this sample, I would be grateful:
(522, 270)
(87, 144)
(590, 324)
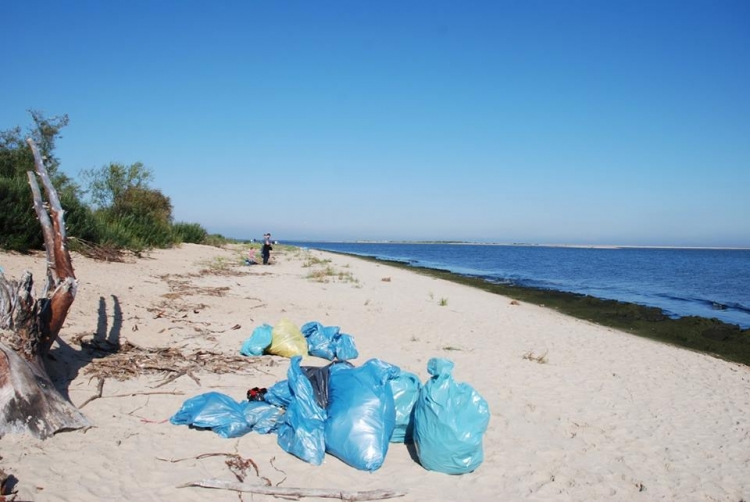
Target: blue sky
(579, 122)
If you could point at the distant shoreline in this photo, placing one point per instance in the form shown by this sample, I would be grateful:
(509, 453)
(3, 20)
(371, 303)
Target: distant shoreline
(523, 244)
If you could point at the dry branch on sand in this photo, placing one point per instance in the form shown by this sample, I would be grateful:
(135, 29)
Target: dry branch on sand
(98, 252)
(296, 493)
(241, 467)
(131, 361)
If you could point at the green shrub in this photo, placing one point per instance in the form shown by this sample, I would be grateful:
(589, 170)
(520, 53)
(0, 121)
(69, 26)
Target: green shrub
(192, 233)
(135, 233)
(80, 221)
(216, 240)
(19, 228)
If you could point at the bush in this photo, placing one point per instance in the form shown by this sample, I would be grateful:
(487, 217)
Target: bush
(135, 233)
(127, 214)
(216, 240)
(80, 221)
(191, 233)
(19, 228)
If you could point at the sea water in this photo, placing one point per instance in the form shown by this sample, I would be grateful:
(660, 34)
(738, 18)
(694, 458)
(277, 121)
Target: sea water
(713, 283)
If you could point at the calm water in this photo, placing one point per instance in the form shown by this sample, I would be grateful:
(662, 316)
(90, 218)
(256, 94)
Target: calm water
(682, 282)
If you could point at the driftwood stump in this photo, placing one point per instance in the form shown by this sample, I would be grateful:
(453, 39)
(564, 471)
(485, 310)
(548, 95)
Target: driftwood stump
(29, 401)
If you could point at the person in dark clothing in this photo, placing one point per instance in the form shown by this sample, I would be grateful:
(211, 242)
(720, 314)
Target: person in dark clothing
(266, 250)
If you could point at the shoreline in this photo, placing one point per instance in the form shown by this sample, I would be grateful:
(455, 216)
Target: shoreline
(706, 335)
(579, 411)
(686, 296)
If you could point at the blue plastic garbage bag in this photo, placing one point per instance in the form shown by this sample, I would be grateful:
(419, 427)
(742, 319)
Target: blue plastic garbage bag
(262, 418)
(279, 394)
(258, 342)
(361, 413)
(319, 339)
(328, 342)
(405, 388)
(318, 376)
(343, 347)
(301, 432)
(450, 420)
(214, 411)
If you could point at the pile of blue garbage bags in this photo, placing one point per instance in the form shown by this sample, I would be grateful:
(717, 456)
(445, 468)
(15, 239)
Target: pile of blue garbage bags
(286, 340)
(353, 413)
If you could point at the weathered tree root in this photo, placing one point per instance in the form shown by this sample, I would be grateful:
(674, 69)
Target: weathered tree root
(29, 401)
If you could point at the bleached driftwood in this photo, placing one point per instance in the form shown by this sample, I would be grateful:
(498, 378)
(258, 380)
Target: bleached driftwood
(29, 401)
(296, 493)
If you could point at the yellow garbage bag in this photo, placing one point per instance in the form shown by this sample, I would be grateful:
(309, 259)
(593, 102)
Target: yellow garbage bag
(287, 340)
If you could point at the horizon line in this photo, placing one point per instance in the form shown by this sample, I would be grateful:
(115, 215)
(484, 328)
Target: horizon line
(511, 244)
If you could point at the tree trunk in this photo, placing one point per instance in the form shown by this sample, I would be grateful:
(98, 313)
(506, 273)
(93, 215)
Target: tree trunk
(29, 401)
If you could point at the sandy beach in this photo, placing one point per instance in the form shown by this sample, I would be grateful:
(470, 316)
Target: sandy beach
(603, 415)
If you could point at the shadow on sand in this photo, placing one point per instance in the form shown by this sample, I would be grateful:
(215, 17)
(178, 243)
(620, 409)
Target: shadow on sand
(65, 362)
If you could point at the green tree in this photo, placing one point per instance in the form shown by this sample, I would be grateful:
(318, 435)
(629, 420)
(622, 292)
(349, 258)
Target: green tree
(108, 184)
(15, 155)
(45, 134)
(19, 229)
(141, 201)
(132, 214)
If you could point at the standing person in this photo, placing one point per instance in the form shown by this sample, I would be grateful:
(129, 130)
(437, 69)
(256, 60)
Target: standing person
(266, 251)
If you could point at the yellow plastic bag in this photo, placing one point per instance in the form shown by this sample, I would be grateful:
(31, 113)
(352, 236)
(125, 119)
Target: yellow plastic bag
(287, 340)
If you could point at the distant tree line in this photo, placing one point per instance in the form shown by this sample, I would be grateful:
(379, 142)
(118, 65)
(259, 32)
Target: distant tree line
(115, 207)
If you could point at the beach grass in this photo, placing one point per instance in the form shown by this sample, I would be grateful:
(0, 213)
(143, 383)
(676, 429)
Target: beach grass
(323, 271)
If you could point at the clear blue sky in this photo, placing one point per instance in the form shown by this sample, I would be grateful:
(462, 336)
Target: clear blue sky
(580, 122)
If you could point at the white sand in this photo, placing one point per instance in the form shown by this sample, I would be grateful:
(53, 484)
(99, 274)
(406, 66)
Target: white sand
(609, 416)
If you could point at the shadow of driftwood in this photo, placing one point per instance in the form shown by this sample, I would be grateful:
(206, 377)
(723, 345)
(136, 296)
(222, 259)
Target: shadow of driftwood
(67, 362)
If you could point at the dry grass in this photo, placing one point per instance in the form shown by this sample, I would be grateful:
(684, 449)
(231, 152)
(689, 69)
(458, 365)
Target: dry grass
(312, 261)
(322, 274)
(125, 361)
(219, 266)
(181, 286)
(323, 271)
(531, 356)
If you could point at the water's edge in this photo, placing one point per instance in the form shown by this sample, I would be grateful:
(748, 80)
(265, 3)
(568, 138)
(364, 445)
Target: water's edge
(709, 336)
